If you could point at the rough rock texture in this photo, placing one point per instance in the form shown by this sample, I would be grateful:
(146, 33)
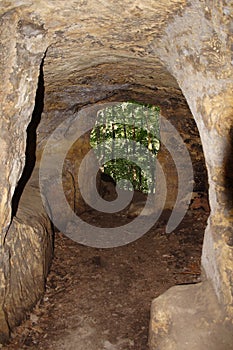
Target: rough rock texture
(204, 71)
(28, 246)
(26, 258)
(189, 317)
(93, 52)
(179, 115)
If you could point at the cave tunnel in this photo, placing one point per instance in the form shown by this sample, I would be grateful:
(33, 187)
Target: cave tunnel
(123, 296)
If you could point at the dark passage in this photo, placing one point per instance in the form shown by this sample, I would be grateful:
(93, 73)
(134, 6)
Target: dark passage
(31, 142)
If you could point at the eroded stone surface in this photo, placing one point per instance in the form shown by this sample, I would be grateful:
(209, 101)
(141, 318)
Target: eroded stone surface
(28, 248)
(189, 317)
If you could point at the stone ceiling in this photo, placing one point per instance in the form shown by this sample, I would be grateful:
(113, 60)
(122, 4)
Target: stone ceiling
(98, 50)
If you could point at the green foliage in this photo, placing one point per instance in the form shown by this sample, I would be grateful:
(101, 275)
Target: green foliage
(130, 130)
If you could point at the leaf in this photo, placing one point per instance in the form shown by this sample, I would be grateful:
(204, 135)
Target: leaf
(128, 121)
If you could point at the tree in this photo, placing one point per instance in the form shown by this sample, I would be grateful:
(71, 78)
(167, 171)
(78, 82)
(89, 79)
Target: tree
(126, 141)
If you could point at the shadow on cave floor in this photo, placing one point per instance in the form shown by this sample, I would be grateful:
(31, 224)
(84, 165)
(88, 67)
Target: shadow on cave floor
(99, 299)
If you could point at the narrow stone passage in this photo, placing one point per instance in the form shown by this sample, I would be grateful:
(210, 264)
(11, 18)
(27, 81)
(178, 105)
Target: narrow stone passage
(99, 299)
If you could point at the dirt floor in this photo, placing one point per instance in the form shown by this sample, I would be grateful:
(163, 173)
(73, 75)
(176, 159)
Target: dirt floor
(99, 299)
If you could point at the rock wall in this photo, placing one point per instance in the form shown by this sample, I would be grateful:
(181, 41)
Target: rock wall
(203, 68)
(25, 241)
(28, 248)
(204, 72)
(179, 115)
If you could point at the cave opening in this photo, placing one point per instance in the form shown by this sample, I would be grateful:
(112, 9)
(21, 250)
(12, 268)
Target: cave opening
(100, 288)
(99, 54)
(136, 126)
(97, 287)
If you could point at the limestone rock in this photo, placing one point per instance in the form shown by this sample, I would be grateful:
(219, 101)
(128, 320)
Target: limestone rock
(189, 317)
(28, 248)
